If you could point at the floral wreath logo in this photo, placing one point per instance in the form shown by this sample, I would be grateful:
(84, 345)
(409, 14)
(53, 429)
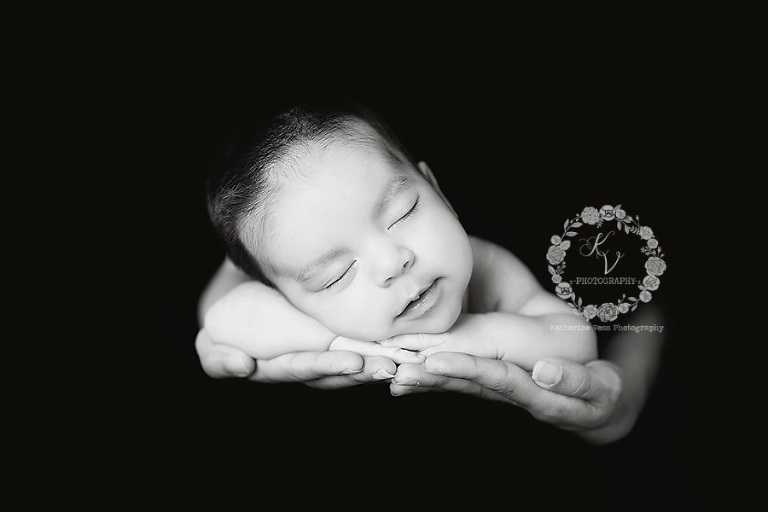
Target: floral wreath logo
(654, 265)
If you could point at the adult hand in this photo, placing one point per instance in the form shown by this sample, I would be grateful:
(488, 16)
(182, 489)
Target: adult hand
(324, 370)
(587, 399)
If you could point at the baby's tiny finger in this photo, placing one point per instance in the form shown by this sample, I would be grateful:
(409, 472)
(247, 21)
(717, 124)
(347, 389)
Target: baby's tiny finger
(417, 341)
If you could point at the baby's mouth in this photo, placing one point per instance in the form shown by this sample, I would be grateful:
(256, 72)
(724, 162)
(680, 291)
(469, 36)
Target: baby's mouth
(422, 303)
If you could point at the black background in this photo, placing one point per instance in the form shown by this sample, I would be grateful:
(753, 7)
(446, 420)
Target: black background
(516, 155)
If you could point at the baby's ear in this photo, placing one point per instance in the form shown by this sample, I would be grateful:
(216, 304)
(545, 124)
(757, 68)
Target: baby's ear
(428, 174)
(430, 177)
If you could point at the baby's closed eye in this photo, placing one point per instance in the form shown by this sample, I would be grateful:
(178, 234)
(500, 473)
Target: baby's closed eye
(407, 214)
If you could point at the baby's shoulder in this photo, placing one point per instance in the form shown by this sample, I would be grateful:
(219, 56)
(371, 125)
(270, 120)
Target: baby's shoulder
(489, 256)
(499, 279)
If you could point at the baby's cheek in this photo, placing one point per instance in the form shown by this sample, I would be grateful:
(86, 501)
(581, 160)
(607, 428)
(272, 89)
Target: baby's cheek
(445, 237)
(358, 319)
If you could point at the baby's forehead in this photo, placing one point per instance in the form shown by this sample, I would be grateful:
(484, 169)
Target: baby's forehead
(330, 188)
(304, 164)
(355, 137)
(316, 162)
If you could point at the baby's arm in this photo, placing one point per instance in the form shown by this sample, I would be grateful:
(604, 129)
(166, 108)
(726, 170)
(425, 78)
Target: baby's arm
(260, 321)
(516, 319)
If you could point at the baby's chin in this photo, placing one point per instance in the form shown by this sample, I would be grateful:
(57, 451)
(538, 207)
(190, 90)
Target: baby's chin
(434, 325)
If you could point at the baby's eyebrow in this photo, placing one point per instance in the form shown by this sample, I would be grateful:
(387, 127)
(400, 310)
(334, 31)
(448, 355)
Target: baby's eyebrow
(395, 185)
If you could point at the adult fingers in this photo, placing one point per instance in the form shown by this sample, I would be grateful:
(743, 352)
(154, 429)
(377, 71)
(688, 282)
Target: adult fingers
(501, 377)
(411, 378)
(516, 385)
(375, 368)
(370, 349)
(448, 384)
(221, 361)
(597, 381)
(306, 366)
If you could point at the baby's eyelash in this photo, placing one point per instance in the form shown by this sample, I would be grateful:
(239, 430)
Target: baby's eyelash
(338, 281)
(413, 210)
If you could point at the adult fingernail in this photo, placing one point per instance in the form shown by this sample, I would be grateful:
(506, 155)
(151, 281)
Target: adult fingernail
(382, 374)
(348, 371)
(546, 373)
(237, 366)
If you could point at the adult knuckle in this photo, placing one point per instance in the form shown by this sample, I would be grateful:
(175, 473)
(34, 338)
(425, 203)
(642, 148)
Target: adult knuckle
(615, 391)
(201, 341)
(613, 386)
(549, 414)
(502, 382)
(293, 368)
(583, 384)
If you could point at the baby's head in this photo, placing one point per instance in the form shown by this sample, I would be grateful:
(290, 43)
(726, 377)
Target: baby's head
(324, 203)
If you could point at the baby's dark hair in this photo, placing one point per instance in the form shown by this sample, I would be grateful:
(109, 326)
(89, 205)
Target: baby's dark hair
(239, 180)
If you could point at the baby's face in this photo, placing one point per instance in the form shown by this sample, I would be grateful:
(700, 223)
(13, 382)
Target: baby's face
(366, 246)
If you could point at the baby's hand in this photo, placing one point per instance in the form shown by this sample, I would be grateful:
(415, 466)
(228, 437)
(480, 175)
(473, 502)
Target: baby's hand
(416, 342)
(261, 322)
(370, 348)
(467, 336)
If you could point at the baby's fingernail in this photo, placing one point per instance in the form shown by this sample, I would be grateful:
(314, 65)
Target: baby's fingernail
(546, 373)
(382, 374)
(389, 342)
(237, 366)
(349, 371)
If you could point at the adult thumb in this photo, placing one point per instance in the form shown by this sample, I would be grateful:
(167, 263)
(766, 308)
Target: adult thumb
(594, 381)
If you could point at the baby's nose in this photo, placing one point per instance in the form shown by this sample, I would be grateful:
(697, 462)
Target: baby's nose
(392, 263)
